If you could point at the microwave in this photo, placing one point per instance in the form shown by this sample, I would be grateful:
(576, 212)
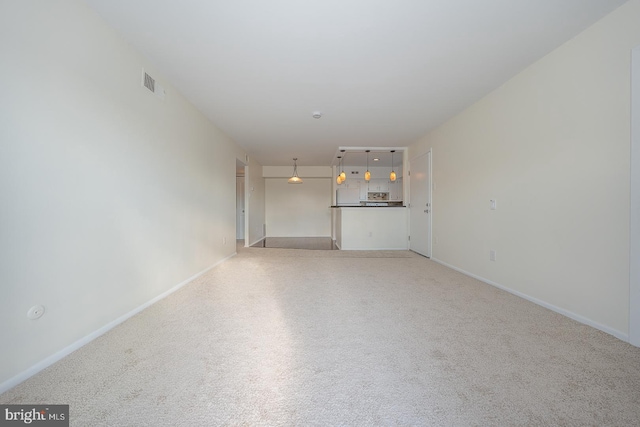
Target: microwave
(376, 196)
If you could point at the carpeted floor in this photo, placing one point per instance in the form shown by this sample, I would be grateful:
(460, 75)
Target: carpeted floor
(292, 337)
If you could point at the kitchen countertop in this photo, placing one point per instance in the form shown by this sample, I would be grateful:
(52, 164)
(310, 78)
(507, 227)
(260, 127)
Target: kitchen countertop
(361, 206)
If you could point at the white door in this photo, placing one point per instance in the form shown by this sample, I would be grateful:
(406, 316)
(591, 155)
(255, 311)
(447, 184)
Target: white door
(420, 205)
(239, 208)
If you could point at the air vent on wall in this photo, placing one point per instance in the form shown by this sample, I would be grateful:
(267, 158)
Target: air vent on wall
(151, 84)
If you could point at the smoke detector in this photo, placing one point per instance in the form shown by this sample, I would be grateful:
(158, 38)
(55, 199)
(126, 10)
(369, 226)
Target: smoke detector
(316, 114)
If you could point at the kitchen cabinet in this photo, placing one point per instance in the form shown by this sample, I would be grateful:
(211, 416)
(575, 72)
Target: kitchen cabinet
(351, 183)
(395, 190)
(376, 185)
(379, 185)
(364, 189)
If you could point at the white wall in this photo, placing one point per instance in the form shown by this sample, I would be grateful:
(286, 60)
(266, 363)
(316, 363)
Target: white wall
(110, 196)
(552, 146)
(634, 253)
(298, 210)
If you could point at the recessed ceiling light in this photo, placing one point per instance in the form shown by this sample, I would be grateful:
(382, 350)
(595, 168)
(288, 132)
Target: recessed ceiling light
(376, 159)
(316, 114)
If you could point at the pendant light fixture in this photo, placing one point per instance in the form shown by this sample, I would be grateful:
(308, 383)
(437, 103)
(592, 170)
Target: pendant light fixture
(339, 179)
(367, 174)
(295, 179)
(342, 174)
(392, 175)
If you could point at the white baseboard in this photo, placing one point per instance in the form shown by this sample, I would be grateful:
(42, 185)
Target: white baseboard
(296, 237)
(571, 315)
(373, 249)
(14, 381)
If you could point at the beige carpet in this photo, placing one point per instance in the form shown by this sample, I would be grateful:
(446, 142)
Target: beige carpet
(315, 338)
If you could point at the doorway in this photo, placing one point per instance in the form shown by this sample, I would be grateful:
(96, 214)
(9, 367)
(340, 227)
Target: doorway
(420, 204)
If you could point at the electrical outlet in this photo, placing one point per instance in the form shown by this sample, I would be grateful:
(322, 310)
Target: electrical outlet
(224, 240)
(492, 204)
(492, 255)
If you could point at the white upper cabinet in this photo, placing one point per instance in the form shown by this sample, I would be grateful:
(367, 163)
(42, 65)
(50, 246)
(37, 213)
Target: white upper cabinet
(395, 190)
(379, 184)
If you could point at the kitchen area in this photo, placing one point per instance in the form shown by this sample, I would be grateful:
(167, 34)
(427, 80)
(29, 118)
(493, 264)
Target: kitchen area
(369, 211)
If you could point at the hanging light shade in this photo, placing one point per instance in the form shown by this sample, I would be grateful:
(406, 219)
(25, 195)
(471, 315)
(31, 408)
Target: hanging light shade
(342, 174)
(367, 174)
(392, 175)
(295, 179)
(339, 179)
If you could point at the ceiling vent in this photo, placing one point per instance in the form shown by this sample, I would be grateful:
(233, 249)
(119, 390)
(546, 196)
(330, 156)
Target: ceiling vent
(151, 84)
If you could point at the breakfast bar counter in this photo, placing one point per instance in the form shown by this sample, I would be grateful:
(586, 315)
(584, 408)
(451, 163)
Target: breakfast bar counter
(371, 227)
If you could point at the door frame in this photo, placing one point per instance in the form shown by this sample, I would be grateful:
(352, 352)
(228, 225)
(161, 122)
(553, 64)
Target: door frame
(245, 170)
(240, 192)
